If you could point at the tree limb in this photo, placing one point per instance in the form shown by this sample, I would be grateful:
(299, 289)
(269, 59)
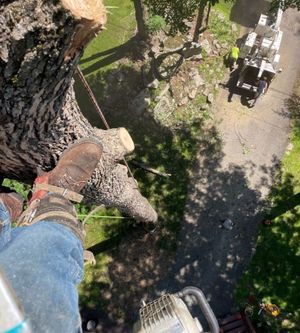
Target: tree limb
(41, 44)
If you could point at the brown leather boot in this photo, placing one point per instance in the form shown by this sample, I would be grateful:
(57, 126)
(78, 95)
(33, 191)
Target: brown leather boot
(53, 190)
(73, 170)
(13, 202)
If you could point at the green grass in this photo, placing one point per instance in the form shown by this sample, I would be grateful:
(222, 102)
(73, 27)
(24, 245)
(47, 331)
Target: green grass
(222, 29)
(224, 7)
(120, 28)
(101, 56)
(292, 160)
(212, 69)
(18, 187)
(274, 273)
(104, 231)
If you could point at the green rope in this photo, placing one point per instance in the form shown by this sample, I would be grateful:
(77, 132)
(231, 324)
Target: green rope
(106, 217)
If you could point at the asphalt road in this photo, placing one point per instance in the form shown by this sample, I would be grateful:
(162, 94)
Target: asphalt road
(233, 180)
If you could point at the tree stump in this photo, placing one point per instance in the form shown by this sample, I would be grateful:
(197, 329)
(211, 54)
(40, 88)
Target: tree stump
(41, 43)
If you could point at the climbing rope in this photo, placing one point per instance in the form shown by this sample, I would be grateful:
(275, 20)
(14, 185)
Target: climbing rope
(98, 110)
(92, 97)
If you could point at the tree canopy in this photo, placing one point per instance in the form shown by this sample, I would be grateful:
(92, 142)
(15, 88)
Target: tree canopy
(177, 13)
(285, 4)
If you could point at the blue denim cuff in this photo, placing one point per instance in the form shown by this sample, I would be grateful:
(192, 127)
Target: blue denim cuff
(5, 225)
(4, 213)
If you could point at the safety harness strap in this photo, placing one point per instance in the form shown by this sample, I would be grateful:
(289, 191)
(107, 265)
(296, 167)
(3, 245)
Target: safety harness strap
(70, 195)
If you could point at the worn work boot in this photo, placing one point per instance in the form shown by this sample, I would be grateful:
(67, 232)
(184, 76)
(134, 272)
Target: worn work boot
(54, 190)
(13, 202)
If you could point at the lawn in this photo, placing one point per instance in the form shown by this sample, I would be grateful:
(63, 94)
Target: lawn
(98, 55)
(101, 55)
(224, 7)
(274, 273)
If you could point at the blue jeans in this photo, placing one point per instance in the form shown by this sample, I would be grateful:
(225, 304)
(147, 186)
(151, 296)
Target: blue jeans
(44, 264)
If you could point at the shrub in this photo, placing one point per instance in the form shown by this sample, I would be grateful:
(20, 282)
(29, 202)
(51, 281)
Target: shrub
(155, 23)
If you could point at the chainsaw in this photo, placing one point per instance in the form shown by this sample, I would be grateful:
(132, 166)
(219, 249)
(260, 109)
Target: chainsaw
(170, 314)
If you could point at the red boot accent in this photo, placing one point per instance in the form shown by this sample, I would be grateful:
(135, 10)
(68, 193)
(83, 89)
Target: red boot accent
(44, 179)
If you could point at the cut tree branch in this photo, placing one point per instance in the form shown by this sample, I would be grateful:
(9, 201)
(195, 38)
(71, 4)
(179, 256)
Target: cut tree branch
(41, 43)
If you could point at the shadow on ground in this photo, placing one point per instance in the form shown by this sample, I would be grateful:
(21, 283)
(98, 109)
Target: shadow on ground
(139, 259)
(231, 86)
(212, 257)
(247, 13)
(141, 262)
(274, 272)
(129, 49)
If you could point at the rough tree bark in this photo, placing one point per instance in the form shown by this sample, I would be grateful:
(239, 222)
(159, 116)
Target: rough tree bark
(41, 43)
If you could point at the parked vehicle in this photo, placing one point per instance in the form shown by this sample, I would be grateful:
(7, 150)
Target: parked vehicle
(260, 52)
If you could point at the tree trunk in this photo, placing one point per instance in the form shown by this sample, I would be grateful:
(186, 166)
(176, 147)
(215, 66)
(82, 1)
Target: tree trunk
(41, 44)
(141, 18)
(199, 22)
(208, 15)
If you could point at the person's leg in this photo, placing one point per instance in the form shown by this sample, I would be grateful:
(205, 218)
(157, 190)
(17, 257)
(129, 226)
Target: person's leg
(232, 85)
(256, 96)
(5, 226)
(11, 205)
(44, 264)
(44, 258)
(231, 63)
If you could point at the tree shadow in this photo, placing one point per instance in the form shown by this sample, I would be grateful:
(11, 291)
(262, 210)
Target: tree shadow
(275, 268)
(108, 57)
(139, 260)
(291, 109)
(166, 65)
(247, 13)
(231, 85)
(143, 265)
(117, 49)
(287, 202)
(212, 257)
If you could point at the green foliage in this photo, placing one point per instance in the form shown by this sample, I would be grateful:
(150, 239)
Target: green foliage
(221, 29)
(177, 13)
(224, 7)
(274, 272)
(275, 4)
(18, 187)
(155, 24)
(212, 69)
(14, 79)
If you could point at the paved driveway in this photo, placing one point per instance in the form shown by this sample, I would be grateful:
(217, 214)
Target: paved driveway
(232, 181)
